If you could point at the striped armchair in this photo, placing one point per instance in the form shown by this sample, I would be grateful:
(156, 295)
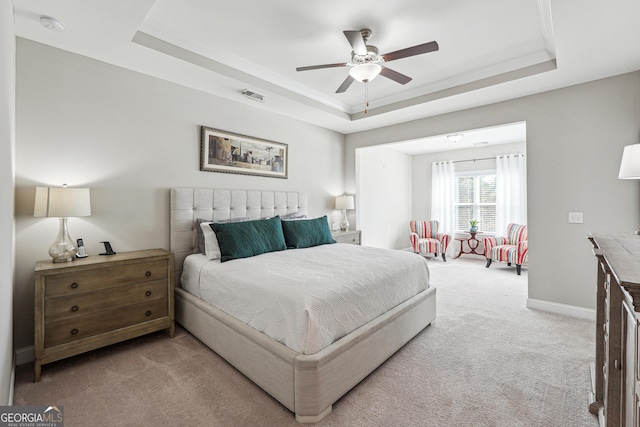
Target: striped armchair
(425, 238)
(512, 249)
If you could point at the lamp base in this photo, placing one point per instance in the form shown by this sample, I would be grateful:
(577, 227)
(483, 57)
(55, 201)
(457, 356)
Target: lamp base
(344, 224)
(63, 249)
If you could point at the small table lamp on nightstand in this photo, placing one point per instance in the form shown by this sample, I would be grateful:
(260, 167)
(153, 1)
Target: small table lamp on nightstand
(62, 203)
(344, 203)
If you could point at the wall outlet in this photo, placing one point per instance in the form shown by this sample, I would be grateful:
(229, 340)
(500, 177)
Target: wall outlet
(575, 218)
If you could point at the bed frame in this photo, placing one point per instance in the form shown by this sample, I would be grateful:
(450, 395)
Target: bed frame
(307, 385)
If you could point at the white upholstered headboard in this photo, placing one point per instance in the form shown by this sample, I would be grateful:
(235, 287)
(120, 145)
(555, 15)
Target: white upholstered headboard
(189, 204)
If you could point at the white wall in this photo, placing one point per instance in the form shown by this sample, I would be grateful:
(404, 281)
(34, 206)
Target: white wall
(384, 197)
(575, 138)
(7, 169)
(130, 138)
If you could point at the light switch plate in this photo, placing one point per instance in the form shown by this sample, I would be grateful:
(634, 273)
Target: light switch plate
(575, 218)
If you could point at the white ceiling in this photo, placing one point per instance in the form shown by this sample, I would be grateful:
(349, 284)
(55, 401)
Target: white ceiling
(490, 51)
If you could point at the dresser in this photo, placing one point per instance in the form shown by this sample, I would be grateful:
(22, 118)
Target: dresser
(350, 236)
(100, 300)
(616, 371)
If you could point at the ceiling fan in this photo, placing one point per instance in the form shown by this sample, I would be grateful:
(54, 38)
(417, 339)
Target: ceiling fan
(366, 62)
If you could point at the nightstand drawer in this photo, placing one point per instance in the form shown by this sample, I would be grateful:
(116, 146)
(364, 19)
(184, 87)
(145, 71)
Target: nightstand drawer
(93, 324)
(67, 307)
(350, 237)
(89, 280)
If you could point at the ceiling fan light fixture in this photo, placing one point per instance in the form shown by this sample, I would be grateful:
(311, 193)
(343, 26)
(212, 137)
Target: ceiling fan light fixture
(365, 72)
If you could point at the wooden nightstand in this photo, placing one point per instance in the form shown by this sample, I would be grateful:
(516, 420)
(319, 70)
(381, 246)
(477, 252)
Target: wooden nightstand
(351, 236)
(100, 300)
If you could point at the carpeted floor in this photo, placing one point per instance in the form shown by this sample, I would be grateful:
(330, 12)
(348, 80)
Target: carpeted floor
(485, 361)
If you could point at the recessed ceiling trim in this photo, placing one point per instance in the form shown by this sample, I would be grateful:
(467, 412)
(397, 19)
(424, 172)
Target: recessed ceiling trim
(243, 78)
(460, 89)
(544, 6)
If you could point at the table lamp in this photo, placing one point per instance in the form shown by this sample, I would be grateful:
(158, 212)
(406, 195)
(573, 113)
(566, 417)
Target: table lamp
(344, 203)
(62, 202)
(630, 164)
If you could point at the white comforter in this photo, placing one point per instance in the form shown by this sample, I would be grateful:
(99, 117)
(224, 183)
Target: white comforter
(308, 298)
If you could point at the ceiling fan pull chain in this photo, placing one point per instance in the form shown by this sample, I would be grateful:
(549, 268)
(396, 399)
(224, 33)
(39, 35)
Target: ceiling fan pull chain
(366, 96)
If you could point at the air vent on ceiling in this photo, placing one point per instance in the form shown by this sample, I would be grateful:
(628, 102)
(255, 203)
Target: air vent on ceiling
(252, 95)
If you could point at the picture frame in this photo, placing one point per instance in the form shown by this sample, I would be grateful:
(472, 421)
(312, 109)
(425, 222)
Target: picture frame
(228, 152)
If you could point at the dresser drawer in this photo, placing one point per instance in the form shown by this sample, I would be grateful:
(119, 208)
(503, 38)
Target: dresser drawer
(66, 307)
(106, 277)
(76, 328)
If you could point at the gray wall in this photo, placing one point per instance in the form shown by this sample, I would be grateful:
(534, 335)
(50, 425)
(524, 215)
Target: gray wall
(7, 146)
(575, 138)
(130, 138)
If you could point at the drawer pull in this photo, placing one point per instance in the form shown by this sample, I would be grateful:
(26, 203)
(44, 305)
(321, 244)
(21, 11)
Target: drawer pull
(148, 273)
(148, 313)
(74, 331)
(74, 308)
(74, 285)
(148, 293)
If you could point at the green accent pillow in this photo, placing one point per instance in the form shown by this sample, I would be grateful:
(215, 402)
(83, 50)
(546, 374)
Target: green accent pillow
(249, 238)
(305, 233)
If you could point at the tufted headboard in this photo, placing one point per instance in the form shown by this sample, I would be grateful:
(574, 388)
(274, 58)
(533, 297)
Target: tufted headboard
(189, 204)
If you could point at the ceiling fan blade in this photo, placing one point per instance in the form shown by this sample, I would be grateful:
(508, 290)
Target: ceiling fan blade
(356, 41)
(317, 67)
(395, 76)
(345, 84)
(411, 51)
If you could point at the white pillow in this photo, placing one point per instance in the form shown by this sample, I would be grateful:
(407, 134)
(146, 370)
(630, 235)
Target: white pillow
(211, 247)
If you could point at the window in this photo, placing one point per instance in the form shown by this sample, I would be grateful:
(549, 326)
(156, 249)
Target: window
(476, 199)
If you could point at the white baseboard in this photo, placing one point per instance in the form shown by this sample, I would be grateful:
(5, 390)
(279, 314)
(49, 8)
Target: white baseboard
(12, 384)
(558, 308)
(25, 355)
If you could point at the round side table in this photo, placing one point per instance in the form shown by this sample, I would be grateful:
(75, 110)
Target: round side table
(472, 242)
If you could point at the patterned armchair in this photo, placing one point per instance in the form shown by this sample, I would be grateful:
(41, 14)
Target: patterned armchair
(425, 238)
(512, 249)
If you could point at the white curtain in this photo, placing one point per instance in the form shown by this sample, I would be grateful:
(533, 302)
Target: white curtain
(511, 191)
(443, 197)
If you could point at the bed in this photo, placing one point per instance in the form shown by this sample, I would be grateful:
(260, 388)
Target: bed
(307, 378)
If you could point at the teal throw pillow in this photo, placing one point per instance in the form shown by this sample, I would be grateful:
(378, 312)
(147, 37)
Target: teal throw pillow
(305, 233)
(249, 238)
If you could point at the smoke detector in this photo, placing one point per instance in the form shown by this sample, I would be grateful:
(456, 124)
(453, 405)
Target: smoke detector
(51, 23)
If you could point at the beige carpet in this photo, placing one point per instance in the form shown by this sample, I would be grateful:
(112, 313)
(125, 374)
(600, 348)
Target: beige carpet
(485, 361)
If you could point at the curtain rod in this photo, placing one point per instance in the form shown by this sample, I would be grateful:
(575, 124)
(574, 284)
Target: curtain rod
(473, 160)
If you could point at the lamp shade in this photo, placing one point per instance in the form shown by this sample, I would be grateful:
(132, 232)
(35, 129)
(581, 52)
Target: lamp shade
(62, 202)
(630, 165)
(344, 202)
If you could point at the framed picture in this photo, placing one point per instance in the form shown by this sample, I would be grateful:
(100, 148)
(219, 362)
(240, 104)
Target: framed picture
(228, 152)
